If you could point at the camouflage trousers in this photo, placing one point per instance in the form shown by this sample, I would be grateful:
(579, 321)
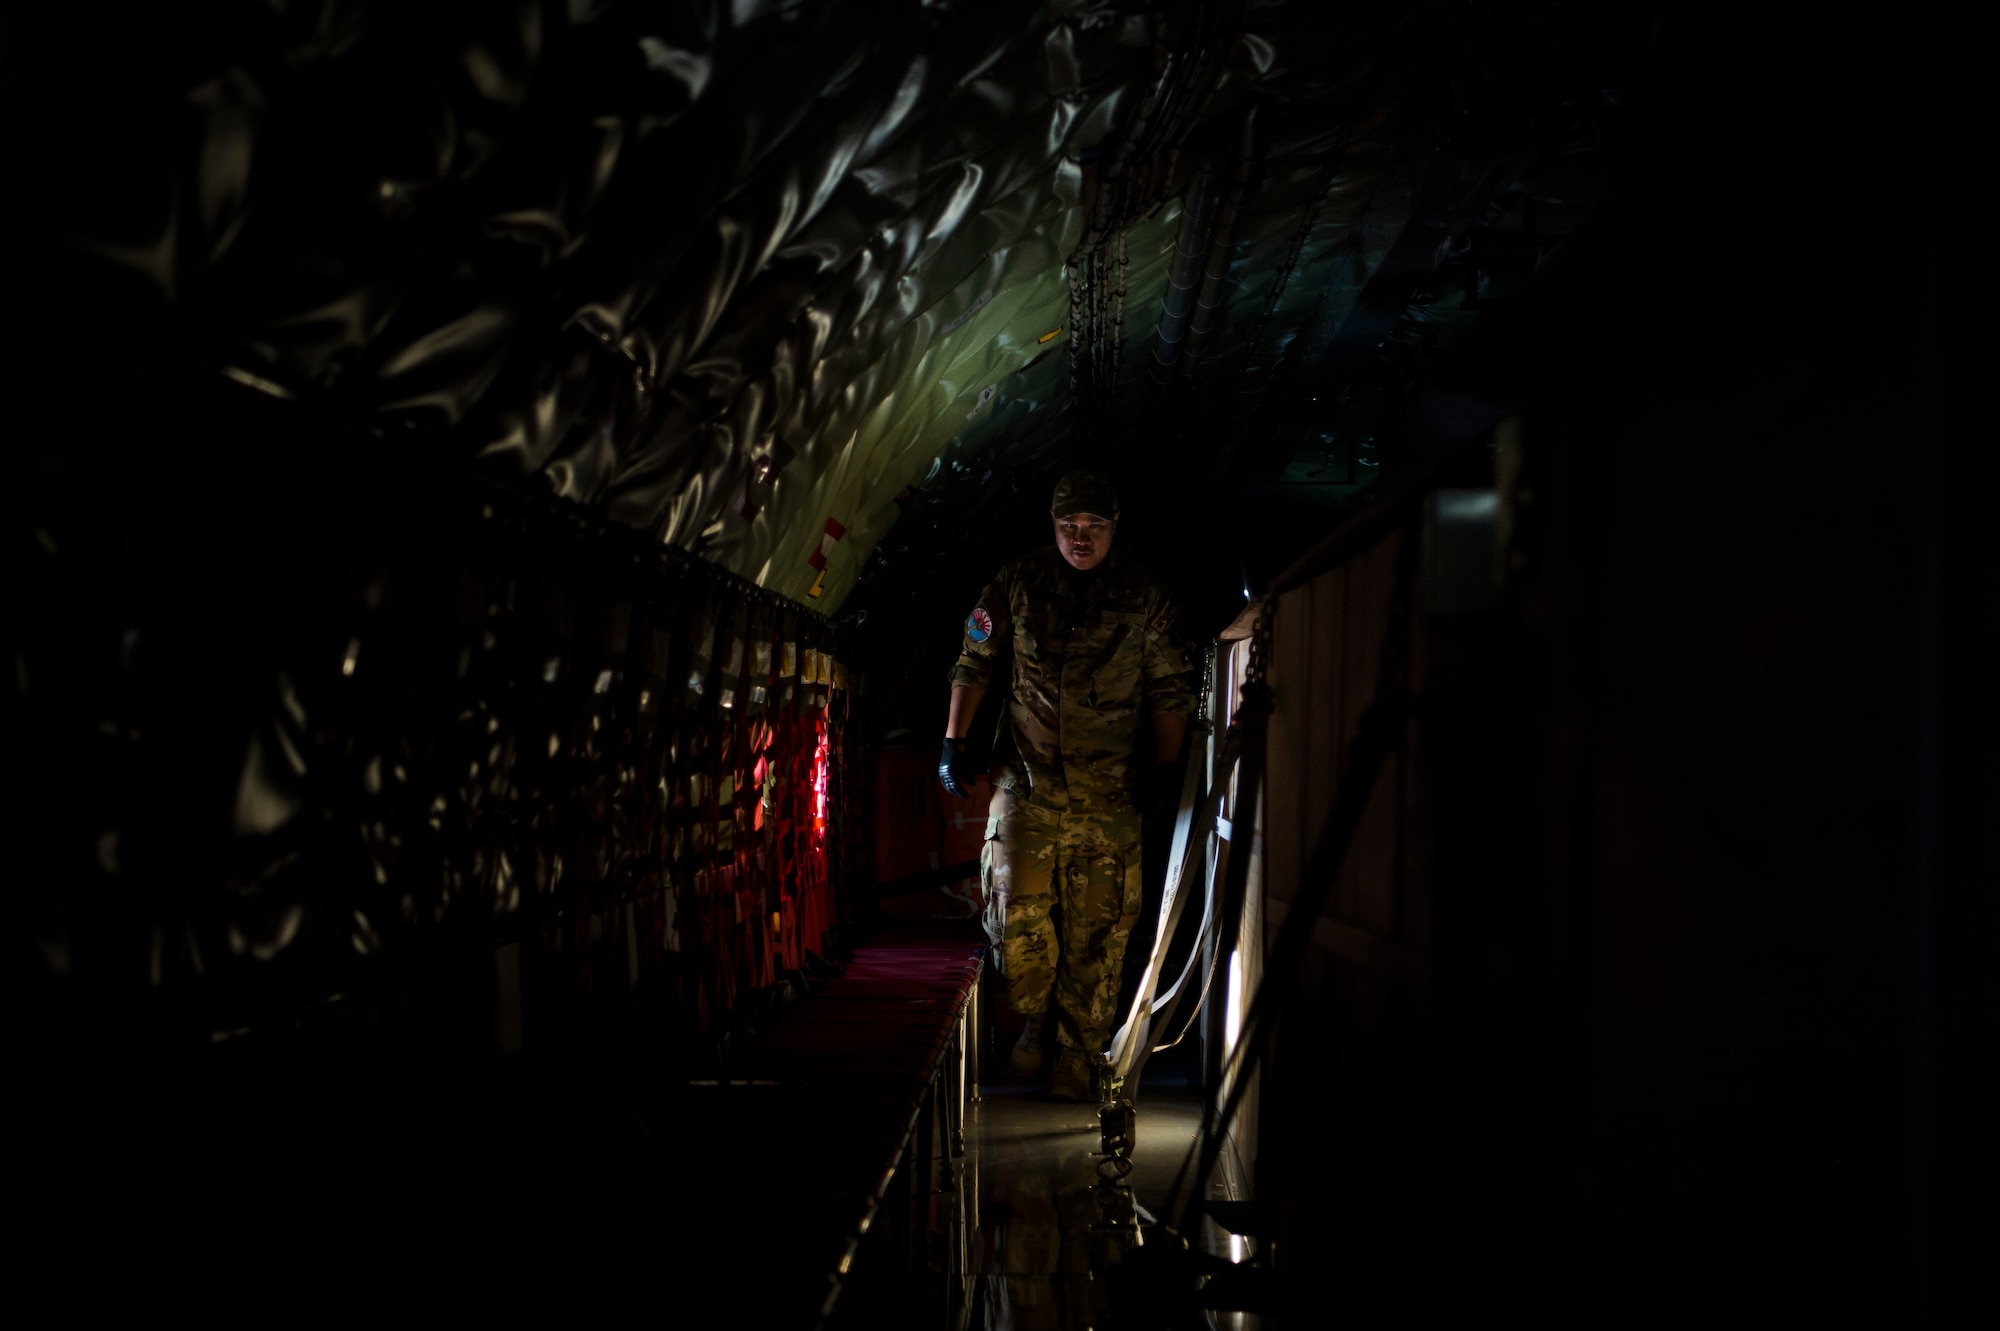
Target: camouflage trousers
(1062, 895)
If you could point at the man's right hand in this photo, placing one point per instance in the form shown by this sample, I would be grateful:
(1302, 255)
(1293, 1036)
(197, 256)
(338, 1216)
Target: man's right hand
(1160, 796)
(951, 768)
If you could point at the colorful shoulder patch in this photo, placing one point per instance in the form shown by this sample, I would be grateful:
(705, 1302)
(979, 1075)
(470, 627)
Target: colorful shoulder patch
(979, 625)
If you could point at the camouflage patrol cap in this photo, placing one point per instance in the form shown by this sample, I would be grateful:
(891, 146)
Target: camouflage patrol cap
(1085, 491)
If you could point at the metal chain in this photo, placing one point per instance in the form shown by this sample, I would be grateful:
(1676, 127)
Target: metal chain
(1260, 645)
(1294, 250)
(1072, 270)
(1118, 315)
(1128, 190)
(1205, 700)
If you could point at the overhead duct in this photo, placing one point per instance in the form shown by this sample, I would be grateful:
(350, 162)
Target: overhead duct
(1185, 275)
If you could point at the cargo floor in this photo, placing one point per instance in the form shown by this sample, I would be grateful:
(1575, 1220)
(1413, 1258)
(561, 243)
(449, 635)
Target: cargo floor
(1047, 1235)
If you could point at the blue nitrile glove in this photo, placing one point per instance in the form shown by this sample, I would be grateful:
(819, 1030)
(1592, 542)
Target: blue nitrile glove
(951, 768)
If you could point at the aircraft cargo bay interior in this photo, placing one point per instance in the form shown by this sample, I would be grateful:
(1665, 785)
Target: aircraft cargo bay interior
(1032, 664)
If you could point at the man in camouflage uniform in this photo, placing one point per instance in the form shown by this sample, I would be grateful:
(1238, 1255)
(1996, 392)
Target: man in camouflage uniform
(1097, 703)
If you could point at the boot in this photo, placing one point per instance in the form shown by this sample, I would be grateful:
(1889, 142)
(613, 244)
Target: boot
(1071, 1079)
(1025, 1063)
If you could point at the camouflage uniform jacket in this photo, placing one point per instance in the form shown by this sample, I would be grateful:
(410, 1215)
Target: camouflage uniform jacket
(1091, 664)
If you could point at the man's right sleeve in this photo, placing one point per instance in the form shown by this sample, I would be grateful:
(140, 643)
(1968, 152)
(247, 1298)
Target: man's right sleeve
(987, 631)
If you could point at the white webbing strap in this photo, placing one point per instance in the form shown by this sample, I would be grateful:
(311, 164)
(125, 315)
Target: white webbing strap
(1190, 849)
